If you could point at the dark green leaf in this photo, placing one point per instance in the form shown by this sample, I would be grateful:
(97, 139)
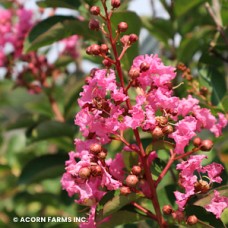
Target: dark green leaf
(122, 217)
(224, 103)
(112, 203)
(52, 129)
(56, 28)
(43, 167)
(159, 145)
(157, 167)
(71, 4)
(160, 28)
(180, 7)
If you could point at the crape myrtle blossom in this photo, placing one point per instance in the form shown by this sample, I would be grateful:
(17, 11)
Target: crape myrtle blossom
(191, 179)
(105, 115)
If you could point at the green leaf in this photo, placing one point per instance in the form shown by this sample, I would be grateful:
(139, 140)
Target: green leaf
(56, 28)
(159, 145)
(112, 202)
(71, 4)
(122, 217)
(52, 129)
(160, 28)
(180, 7)
(25, 120)
(157, 167)
(218, 84)
(134, 26)
(224, 103)
(43, 167)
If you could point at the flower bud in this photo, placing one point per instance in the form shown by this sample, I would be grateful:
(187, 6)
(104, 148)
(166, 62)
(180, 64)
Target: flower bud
(167, 129)
(125, 190)
(204, 91)
(84, 173)
(96, 170)
(122, 27)
(206, 145)
(144, 67)
(131, 180)
(167, 210)
(107, 63)
(102, 155)
(157, 133)
(133, 38)
(201, 186)
(125, 40)
(104, 48)
(197, 141)
(94, 24)
(95, 10)
(161, 120)
(88, 50)
(136, 170)
(95, 49)
(134, 72)
(115, 3)
(95, 148)
(192, 220)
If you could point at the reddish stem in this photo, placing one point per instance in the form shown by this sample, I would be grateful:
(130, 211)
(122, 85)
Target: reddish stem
(55, 108)
(142, 154)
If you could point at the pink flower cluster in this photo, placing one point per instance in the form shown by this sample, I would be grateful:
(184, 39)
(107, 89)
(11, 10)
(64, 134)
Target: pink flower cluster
(104, 113)
(193, 180)
(14, 26)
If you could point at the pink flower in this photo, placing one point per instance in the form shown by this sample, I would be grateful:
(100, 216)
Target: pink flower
(116, 167)
(185, 131)
(218, 204)
(185, 105)
(158, 74)
(213, 171)
(217, 128)
(91, 220)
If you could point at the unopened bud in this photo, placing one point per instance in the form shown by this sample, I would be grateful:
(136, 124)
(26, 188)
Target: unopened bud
(204, 91)
(84, 173)
(144, 66)
(157, 133)
(167, 129)
(95, 49)
(201, 186)
(107, 63)
(162, 120)
(192, 220)
(94, 24)
(95, 148)
(125, 40)
(136, 170)
(88, 50)
(95, 10)
(96, 170)
(102, 155)
(131, 180)
(206, 145)
(167, 210)
(134, 72)
(197, 141)
(122, 26)
(104, 48)
(133, 38)
(115, 3)
(125, 190)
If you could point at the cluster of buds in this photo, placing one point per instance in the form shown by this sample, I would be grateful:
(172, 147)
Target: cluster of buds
(179, 215)
(204, 145)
